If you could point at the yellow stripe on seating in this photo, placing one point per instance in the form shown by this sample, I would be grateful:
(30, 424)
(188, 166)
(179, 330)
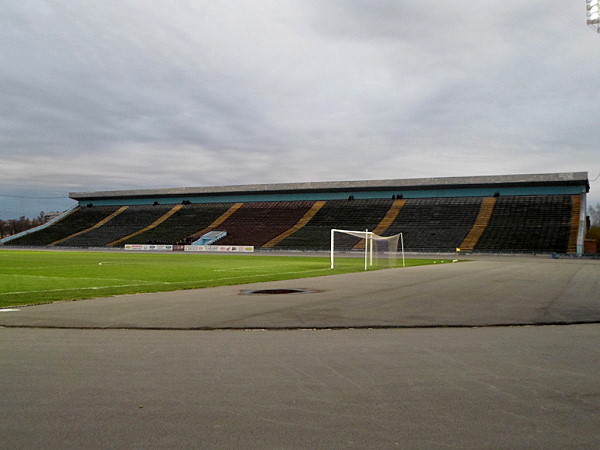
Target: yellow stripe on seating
(575, 217)
(98, 225)
(222, 218)
(314, 209)
(154, 224)
(481, 223)
(386, 222)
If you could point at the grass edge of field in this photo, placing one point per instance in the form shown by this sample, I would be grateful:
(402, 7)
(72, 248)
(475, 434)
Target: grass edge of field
(156, 287)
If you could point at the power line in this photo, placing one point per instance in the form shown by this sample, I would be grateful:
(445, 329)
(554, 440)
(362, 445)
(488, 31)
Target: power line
(31, 198)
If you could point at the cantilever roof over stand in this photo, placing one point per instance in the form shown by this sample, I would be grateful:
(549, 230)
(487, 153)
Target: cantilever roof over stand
(391, 186)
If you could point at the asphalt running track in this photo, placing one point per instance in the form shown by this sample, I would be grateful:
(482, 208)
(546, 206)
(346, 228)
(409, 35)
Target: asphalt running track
(493, 353)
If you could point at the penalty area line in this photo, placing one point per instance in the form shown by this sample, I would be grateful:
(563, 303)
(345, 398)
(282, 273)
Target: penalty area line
(89, 288)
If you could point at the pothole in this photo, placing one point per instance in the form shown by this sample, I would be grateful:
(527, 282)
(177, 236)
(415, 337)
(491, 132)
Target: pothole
(278, 291)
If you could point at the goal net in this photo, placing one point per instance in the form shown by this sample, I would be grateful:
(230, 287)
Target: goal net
(375, 251)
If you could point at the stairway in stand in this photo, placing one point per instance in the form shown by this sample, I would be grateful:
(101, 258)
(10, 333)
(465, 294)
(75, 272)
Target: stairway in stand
(386, 222)
(481, 223)
(575, 214)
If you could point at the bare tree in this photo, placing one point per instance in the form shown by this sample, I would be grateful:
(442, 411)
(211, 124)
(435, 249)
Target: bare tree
(14, 226)
(594, 213)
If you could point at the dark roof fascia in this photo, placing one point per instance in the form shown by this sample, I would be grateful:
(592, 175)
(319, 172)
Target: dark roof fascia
(554, 179)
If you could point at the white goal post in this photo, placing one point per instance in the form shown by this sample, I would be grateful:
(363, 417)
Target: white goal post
(371, 241)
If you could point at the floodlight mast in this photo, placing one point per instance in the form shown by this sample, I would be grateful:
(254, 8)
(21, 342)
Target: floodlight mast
(593, 14)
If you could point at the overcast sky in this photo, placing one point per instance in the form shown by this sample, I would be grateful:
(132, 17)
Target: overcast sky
(123, 94)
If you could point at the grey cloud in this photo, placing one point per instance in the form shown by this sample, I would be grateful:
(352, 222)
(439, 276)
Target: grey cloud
(119, 94)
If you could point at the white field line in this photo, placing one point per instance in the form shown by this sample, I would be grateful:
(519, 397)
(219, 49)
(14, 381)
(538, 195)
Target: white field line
(69, 278)
(270, 266)
(259, 275)
(169, 283)
(62, 266)
(93, 288)
(92, 264)
(229, 269)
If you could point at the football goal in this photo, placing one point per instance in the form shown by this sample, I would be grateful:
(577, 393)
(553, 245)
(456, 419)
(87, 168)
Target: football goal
(377, 251)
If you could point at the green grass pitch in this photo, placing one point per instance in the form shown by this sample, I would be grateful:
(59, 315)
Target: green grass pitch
(30, 277)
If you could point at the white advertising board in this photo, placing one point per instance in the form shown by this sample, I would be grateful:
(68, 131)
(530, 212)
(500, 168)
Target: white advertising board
(161, 248)
(219, 248)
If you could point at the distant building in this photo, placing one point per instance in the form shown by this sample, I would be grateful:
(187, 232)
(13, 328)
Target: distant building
(47, 217)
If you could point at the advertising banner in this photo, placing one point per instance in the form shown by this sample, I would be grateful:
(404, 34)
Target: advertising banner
(219, 248)
(149, 247)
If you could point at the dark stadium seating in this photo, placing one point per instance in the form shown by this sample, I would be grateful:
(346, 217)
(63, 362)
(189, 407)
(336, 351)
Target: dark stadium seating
(81, 219)
(357, 215)
(258, 222)
(131, 219)
(185, 222)
(528, 224)
(436, 224)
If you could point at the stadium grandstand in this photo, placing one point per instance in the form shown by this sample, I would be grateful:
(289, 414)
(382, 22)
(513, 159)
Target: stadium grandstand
(533, 213)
